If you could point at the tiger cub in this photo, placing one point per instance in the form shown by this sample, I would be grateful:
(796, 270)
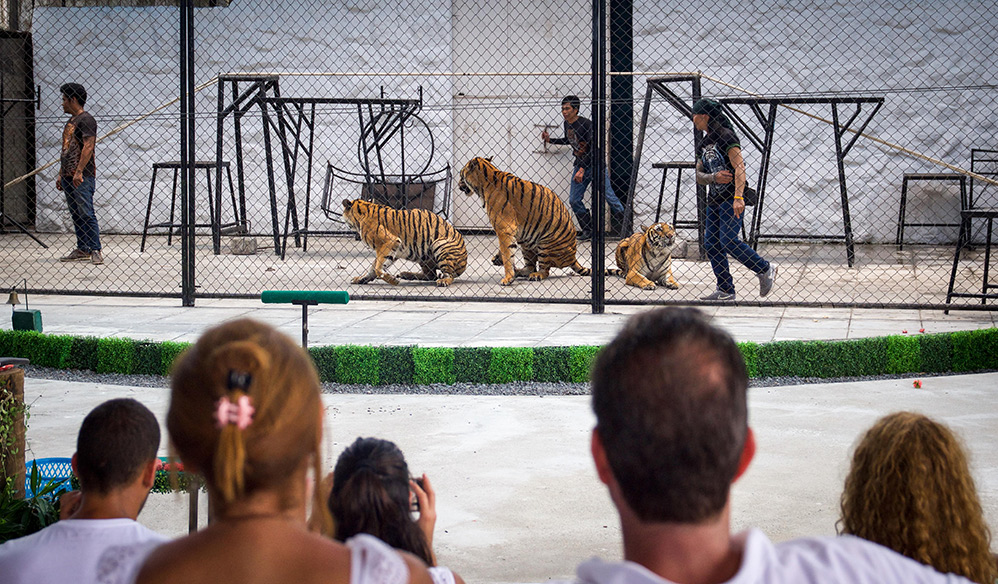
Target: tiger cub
(645, 258)
(417, 235)
(524, 213)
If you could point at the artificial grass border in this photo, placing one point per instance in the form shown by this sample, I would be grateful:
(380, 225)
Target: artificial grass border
(958, 352)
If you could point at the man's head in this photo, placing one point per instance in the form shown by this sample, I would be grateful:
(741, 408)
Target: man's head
(73, 91)
(570, 107)
(669, 395)
(117, 441)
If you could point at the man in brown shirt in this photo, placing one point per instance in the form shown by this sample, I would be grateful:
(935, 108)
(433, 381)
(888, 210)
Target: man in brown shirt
(78, 173)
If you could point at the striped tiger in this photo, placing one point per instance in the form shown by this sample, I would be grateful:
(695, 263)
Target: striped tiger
(645, 258)
(417, 235)
(526, 213)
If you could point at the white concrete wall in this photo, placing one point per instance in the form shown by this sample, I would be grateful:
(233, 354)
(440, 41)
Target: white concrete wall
(128, 59)
(868, 47)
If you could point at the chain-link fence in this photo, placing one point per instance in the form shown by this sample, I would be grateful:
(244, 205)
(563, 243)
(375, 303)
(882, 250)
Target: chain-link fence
(866, 128)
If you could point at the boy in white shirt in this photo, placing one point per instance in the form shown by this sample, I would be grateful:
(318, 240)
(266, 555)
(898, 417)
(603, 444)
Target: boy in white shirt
(115, 461)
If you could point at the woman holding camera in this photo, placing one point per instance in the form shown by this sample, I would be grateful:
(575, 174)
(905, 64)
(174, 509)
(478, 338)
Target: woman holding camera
(374, 493)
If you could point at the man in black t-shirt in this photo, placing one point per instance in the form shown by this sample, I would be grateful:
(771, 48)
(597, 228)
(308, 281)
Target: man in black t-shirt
(78, 174)
(579, 135)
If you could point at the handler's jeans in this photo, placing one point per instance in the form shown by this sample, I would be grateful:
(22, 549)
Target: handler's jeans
(577, 190)
(81, 208)
(720, 238)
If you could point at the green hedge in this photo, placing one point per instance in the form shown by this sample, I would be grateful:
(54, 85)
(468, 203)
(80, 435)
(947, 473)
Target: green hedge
(471, 364)
(552, 363)
(357, 364)
(962, 351)
(433, 365)
(116, 355)
(509, 364)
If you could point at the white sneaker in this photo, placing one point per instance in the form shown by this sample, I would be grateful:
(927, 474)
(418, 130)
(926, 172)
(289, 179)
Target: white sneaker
(767, 279)
(720, 296)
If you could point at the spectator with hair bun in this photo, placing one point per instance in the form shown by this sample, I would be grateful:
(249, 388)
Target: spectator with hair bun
(910, 489)
(245, 412)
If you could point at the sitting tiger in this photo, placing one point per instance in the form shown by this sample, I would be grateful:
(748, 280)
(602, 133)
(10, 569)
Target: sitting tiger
(645, 258)
(526, 213)
(417, 235)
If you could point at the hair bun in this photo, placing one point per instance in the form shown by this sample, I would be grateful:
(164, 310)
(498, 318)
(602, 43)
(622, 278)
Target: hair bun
(238, 362)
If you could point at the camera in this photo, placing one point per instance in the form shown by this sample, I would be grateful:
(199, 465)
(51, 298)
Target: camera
(414, 505)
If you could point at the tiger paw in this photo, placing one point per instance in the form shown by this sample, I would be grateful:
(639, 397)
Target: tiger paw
(649, 286)
(361, 280)
(508, 280)
(537, 276)
(390, 279)
(444, 282)
(670, 284)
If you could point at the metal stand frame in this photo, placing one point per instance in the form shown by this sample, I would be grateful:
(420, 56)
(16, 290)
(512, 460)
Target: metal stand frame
(6, 104)
(658, 86)
(764, 143)
(242, 101)
(293, 121)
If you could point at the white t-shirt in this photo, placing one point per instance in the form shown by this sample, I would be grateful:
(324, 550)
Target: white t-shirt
(69, 550)
(441, 575)
(373, 561)
(844, 559)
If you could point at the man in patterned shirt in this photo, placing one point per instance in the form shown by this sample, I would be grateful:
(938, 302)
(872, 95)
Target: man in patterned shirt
(78, 174)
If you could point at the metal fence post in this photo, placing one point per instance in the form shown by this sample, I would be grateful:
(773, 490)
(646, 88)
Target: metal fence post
(187, 151)
(622, 105)
(597, 153)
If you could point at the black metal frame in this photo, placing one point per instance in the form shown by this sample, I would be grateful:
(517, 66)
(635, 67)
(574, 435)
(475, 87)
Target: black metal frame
(968, 213)
(765, 145)
(215, 221)
(380, 120)
(242, 101)
(292, 121)
(767, 119)
(657, 86)
(903, 207)
(6, 104)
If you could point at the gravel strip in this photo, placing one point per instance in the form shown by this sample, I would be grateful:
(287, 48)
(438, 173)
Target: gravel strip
(515, 388)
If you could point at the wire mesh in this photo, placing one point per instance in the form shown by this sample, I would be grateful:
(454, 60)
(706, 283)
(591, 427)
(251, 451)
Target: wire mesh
(387, 93)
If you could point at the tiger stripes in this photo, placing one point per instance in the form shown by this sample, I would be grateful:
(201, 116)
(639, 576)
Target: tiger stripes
(524, 213)
(417, 235)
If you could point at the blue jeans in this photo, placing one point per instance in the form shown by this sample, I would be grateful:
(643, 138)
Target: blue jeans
(720, 238)
(81, 208)
(577, 190)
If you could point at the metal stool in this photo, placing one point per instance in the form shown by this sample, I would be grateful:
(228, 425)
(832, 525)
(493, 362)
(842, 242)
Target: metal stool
(208, 166)
(927, 176)
(990, 214)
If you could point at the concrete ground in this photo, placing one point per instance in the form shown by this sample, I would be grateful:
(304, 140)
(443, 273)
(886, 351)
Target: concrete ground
(518, 499)
(810, 272)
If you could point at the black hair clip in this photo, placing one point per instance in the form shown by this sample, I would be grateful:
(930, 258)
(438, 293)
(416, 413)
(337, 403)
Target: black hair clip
(239, 380)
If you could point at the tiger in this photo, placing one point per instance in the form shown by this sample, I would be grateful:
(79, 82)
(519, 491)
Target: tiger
(524, 213)
(416, 234)
(645, 258)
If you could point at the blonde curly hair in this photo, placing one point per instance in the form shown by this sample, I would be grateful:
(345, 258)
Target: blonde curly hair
(910, 489)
